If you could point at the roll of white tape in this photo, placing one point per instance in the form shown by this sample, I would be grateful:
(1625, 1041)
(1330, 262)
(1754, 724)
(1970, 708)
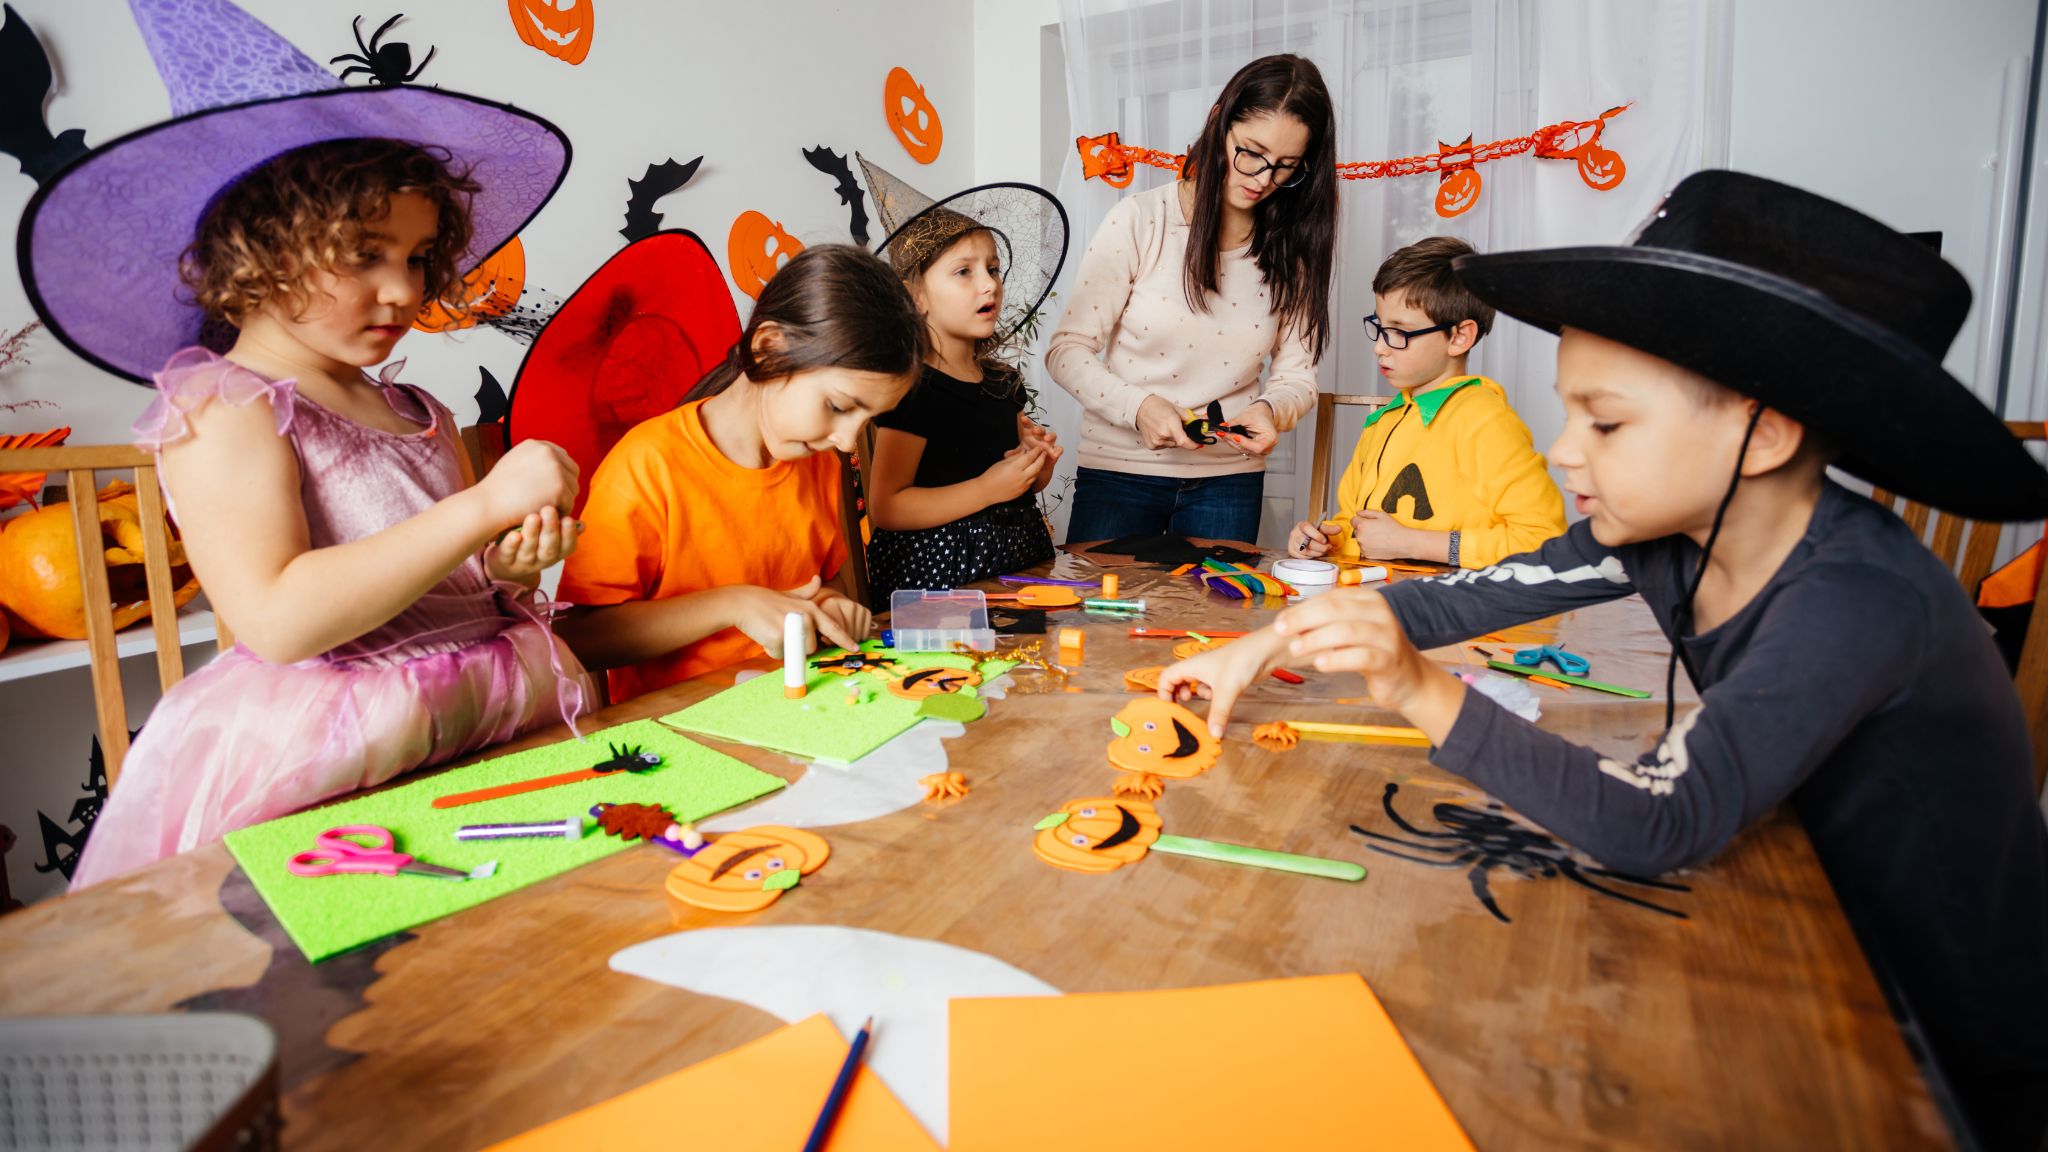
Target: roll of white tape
(1306, 573)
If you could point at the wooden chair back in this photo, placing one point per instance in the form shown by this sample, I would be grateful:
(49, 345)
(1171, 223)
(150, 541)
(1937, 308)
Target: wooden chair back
(1327, 404)
(80, 464)
(1977, 542)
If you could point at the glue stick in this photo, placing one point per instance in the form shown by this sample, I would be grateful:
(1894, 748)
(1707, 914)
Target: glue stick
(1109, 587)
(793, 671)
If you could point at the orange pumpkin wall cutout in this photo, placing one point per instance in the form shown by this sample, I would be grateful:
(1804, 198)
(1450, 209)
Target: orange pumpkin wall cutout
(560, 28)
(1157, 739)
(41, 588)
(490, 291)
(756, 249)
(1458, 182)
(748, 870)
(910, 115)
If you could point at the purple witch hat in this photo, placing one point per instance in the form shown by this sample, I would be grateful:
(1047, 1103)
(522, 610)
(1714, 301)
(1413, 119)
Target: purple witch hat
(100, 242)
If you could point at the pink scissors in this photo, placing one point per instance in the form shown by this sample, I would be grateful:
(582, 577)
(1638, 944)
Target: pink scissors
(334, 852)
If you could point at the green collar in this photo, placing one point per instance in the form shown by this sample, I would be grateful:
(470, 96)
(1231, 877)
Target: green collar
(1428, 403)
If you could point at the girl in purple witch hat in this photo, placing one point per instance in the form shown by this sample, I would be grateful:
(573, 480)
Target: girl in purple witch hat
(387, 619)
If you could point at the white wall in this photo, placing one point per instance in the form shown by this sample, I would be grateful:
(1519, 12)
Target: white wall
(748, 86)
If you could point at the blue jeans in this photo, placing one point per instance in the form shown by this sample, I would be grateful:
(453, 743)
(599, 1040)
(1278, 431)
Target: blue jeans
(1110, 505)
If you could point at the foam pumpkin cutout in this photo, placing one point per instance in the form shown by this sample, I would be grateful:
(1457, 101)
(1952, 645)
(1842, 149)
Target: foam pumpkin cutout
(1098, 834)
(756, 249)
(491, 290)
(41, 587)
(911, 117)
(560, 28)
(1187, 648)
(923, 682)
(748, 870)
(1156, 738)
(1600, 168)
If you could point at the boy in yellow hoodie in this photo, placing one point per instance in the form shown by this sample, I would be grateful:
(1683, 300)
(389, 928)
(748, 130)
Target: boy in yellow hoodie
(1447, 472)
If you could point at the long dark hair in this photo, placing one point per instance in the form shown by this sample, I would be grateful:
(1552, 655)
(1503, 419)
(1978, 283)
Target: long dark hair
(836, 306)
(1294, 231)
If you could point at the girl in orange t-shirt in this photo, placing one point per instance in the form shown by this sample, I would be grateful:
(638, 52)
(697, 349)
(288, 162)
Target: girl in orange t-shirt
(705, 526)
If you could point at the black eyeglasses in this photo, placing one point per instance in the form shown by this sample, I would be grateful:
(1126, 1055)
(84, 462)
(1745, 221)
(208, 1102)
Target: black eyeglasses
(1398, 338)
(1251, 163)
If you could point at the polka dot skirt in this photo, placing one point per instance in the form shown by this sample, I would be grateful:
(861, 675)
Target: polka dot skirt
(995, 541)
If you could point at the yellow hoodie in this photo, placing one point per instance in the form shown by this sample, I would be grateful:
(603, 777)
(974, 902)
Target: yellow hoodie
(1455, 459)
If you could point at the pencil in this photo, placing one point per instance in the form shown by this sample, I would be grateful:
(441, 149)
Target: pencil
(837, 1099)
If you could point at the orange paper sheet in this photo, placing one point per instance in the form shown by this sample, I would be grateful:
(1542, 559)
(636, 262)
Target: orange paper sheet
(764, 1095)
(1305, 1063)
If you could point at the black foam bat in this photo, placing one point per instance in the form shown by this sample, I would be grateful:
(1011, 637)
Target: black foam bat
(1201, 428)
(834, 165)
(661, 179)
(25, 82)
(490, 398)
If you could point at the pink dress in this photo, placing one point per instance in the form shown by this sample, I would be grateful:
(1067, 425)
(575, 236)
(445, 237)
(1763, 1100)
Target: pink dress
(472, 663)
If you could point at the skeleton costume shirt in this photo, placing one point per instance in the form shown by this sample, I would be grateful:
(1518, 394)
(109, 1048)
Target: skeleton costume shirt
(1858, 684)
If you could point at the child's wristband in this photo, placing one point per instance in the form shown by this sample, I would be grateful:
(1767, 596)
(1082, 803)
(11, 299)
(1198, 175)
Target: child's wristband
(1451, 551)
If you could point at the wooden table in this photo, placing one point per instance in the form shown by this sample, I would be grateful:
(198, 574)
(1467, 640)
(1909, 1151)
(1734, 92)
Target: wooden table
(1753, 1023)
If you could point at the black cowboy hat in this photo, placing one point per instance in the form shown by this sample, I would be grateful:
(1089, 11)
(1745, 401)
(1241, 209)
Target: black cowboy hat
(1812, 308)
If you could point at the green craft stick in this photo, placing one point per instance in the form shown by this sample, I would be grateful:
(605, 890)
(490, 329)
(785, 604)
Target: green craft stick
(1260, 858)
(1580, 681)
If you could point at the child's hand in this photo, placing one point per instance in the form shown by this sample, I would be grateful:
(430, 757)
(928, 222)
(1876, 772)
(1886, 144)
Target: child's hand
(1354, 630)
(1381, 537)
(1307, 539)
(1262, 434)
(534, 474)
(544, 540)
(758, 612)
(1013, 475)
(1222, 674)
(850, 616)
(1161, 425)
(1029, 430)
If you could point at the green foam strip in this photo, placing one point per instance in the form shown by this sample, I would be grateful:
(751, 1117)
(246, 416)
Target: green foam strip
(327, 915)
(1260, 858)
(1553, 674)
(821, 726)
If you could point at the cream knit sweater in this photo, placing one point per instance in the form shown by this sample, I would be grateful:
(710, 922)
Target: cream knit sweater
(1128, 333)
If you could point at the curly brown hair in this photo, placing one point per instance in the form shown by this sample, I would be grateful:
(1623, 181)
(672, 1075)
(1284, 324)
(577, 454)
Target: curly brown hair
(305, 211)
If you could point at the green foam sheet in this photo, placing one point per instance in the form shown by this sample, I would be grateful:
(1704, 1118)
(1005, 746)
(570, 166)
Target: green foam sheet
(328, 915)
(821, 726)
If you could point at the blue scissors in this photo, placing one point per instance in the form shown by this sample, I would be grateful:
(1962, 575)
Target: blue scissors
(1569, 663)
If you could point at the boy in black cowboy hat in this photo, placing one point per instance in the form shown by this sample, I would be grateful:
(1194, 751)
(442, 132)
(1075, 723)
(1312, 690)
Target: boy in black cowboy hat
(1750, 336)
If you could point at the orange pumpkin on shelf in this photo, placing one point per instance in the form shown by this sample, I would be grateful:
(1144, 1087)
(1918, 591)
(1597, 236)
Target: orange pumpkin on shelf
(491, 290)
(560, 28)
(748, 870)
(43, 591)
(911, 117)
(1156, 738)
(1098, 834)
(756, 249)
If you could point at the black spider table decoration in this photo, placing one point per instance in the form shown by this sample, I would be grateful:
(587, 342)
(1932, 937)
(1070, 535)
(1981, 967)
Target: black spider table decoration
(853, 662)
(387, 65)
(1488, 840)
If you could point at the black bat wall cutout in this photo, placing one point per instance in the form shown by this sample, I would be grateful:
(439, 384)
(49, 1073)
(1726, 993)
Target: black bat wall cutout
(490, 398)
(25, 82)
(661, 179)
(834, 165)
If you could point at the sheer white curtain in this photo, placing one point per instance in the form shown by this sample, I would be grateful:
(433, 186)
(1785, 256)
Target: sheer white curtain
(1404, 74)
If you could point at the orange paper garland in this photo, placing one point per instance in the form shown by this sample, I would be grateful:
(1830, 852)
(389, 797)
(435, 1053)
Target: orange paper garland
(1108, 159)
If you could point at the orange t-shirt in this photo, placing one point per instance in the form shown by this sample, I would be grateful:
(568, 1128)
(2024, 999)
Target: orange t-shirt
(668, 514)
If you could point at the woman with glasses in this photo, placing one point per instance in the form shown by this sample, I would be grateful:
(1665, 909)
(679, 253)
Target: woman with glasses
(1184, 295)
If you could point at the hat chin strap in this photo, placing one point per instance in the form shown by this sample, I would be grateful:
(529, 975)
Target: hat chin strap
(1681, 620)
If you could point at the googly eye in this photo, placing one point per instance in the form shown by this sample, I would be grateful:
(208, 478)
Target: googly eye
(775, 865)
(754, 874)
(1087, 811)
(1151, 726)
(1080, 841)
(1144, 747)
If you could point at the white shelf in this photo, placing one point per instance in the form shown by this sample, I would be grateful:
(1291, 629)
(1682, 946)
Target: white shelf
(25, 658)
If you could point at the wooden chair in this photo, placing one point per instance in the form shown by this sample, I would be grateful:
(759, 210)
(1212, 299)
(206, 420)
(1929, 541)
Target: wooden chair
(483, 445)
(1327, 404)
(1977, 554)
(79, 465)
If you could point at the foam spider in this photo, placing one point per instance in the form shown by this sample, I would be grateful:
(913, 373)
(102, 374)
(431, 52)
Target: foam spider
(1488, 840)
(388, 65)
(629, 758)
(853, 662)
